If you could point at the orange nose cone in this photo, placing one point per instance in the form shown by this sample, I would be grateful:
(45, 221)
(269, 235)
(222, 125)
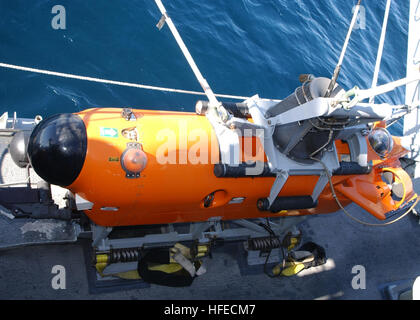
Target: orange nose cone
(134, 160)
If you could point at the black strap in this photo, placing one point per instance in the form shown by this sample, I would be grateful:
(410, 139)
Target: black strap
(318, 253)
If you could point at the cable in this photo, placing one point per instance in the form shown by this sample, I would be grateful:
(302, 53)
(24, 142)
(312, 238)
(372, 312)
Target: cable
(272, 234)
(353, 218)
(393, 122)
(119, 83)
(323, 146)
(323, 128)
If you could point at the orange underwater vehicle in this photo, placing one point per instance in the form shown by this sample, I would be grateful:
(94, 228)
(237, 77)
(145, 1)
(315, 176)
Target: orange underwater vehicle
(246, 171)
(136, 167)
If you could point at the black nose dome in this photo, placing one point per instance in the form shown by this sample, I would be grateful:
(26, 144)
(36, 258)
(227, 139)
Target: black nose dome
(57, 148)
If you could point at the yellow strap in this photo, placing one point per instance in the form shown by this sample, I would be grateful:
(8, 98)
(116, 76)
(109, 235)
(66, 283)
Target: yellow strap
(100, 266)
(293, 242)
(293, 269)
(102, 258)
(129, 275)
(167, 268)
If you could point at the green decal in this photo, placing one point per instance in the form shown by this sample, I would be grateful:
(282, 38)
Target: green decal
(109, 132)
(114, 159)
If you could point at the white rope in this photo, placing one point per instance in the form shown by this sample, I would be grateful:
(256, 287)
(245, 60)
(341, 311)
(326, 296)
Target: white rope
(346, 42)
(380, 49)
(343, 51)
(186, 52)
(118, 83)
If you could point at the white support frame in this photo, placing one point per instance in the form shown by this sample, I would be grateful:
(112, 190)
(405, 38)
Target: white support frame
(412, 92)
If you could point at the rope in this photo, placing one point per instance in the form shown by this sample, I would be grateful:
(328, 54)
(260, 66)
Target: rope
(352, 23)
(343, 51)
(353, 218)
(187, 55)
(118, 83)
(380, 48)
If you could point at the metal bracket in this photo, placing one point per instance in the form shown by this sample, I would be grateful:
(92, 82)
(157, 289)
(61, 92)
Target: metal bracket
(358, 149)
(228, 140)
(278, 184)
(197, 229)
(161, 22)
(82, 204)
(99, 235)
(319, 187)
(128, 114)
(297, 138)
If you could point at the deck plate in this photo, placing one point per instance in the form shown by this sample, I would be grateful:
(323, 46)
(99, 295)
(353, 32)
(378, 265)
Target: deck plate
(24, 232)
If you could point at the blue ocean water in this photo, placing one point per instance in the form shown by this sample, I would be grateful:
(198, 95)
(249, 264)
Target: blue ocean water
(242, 47)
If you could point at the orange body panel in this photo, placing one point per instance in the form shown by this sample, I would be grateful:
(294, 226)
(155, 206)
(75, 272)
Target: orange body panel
(371, 192)
(175, 192)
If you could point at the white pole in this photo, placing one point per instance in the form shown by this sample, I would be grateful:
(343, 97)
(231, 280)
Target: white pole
(346, 42)
(210, 95)
(412, 91)
(364, 94)
(380, 49)
(343, 51)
